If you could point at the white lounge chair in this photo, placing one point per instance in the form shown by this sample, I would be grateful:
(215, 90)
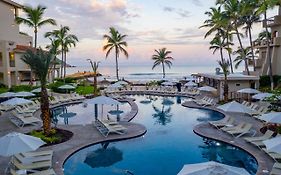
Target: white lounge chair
(241, 131)
(42, 172)
(267, 135)
(223, 122)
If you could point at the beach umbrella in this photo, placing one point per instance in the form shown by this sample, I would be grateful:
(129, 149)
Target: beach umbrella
(7, 94)
(190, 84)
(67, 87)
(235, 107)
(115, 86)
(273, 145)
(14, 143)
(248, 91)
(211, 168)
(16, 101)
(207, 89)
(168, 83)
(262, 96)
(104, 157)
(38, 90)
(24, 94)
(272, 117)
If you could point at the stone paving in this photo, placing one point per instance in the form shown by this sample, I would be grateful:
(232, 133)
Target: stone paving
(265, 162)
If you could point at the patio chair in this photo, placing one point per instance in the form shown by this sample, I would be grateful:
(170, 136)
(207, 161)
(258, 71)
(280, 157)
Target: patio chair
(31, 159)
(231, 127)
(242, 131)
(20, 120)
(273, 155)
(42, 172)
(223, 122)
(38, 153)
(267, 135)
(32, 166)
(6, 107)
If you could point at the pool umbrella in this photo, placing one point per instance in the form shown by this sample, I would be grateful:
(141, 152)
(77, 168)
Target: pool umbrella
(190, 84)
(38, 90)
(207, 89)
(121, 82)
(248, 91)
(67, 87)
(24, 94)
(211, 168)
(7, 94)
(272, 117)
(104, 157)
(273, 145)
(145, 101)
(262, 96)
(168, 83)
(235, 107)
(103, 100)
(14, 143)
(115, 86)
(16, 101)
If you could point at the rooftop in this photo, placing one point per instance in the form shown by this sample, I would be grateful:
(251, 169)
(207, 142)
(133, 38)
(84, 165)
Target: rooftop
(234, 76)
(12, 3)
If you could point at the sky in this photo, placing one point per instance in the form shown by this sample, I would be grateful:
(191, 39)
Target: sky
(148, 24)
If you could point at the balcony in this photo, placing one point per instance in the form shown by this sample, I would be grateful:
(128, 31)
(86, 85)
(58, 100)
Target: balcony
(275, 21)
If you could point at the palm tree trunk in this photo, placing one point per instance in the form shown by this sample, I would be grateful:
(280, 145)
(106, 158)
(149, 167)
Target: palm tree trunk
(61, 66)
(116, 61)
(45, 110)
(252, 48)
(163, 69)
(268, 53)
(222, 59)
(35, 37)
(242, 48)
(229, 55)
(225, 89)
(64, 66)
(95, 84)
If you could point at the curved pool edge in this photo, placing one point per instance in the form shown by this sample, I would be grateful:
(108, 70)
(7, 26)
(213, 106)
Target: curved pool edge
(138, 131)
(207, 131)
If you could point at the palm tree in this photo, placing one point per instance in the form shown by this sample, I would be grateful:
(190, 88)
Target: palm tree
(55, 47)
(240, 57)
(65, 40)
(217, 44)
(95, 66)
(225, 68)
(249, 17)
(162, 57)
(233, 10)
(35, 19)
(40, 61)
(115, 41)
(264, 6)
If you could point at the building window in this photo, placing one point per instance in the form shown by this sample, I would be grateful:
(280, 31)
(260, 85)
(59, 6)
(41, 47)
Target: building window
(1, 59)
(12, 59)
(237, 84)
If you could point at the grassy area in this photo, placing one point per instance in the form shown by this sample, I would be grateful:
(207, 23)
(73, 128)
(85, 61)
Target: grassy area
(84, 90)
(3, 89)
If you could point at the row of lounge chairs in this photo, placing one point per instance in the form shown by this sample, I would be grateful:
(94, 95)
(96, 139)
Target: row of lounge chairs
(227, 125)
(66, 99)
(257, 109)
(32, 163)
(107, 127)
(205, 101)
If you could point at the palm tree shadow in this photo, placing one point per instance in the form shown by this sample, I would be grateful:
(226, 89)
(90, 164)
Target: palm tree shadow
(162, 116)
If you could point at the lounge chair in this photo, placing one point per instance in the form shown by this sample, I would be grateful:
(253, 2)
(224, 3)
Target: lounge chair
(43, 172)
(231, 127)
(38, 153)
(241, 131)
(21, 120)
(223, 122)
(32, 166)
(267, 135)
(273, 155)
(32, 159)
(6, 107)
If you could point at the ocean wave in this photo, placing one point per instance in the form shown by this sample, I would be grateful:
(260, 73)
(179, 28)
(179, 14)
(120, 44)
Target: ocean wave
(140, 74)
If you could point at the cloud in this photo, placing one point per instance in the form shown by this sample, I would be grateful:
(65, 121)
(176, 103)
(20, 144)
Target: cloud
(197, 3)
(181, 12)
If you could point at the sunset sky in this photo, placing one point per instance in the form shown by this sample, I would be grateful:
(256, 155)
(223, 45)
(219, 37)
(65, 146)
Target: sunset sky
(149, 25)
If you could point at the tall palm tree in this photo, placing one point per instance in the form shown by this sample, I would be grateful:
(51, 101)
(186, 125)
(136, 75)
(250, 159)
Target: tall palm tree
(225, 69)
(115, 41)
(264, 6)
(233, 10)
(249, 17)
(162, 58)
(55, 47)
(95, 66)
(40, 61)
(65, 40)
(240, 57)
(35, 19)
(217, 44)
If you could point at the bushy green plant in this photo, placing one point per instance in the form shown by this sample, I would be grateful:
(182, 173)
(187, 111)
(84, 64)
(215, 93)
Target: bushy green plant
(19, 88)
(3, 89)
(55, 86)
(265, 80)
(84, 90)
(51, 138)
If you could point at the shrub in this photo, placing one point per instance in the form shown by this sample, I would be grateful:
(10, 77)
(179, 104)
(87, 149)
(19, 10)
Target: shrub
(19, 88)
(55, 86)
(84, 90)
(3, 89)
(265, 80)
(52, 138)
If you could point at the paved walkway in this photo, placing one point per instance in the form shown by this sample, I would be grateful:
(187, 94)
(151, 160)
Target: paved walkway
(206, 130)
(84, 135)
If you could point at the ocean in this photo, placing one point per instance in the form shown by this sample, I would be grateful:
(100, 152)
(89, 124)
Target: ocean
(139, 73)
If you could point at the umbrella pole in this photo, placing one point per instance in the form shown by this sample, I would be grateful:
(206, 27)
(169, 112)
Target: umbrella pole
(96, 111)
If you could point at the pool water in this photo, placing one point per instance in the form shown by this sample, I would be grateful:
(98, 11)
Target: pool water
(168, 145)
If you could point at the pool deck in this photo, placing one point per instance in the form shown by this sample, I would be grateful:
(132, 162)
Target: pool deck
(265, 162)
(83, 136)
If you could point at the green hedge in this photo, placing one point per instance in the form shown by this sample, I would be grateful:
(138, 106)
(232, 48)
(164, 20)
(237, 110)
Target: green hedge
(84, 90)
(55, 86)
(19, 88)
(265, 80)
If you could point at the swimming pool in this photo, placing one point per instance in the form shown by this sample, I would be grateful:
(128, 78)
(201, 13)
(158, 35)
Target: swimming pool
(168, 144)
